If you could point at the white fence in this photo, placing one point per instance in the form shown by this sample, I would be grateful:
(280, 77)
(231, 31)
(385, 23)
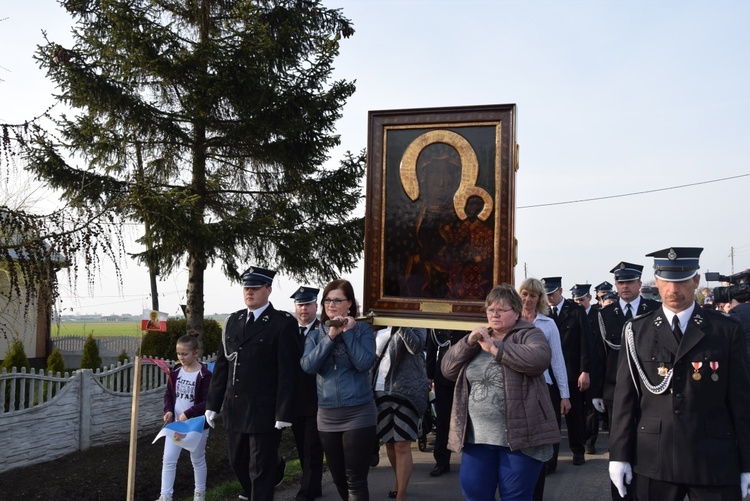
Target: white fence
(71, 348)
(46, 416)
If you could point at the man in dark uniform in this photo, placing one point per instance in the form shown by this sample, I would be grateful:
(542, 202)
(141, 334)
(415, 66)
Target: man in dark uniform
(581, 294)
(305, 425)
(681, 422)
(602, 290)
(575, 338)
(253, 384)
(439, 342)
(607, 331)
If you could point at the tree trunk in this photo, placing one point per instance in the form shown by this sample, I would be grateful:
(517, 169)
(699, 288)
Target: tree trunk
(196, 271)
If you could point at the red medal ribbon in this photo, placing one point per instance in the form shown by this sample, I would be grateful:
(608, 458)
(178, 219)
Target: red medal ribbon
(698, 365)
(714, 366)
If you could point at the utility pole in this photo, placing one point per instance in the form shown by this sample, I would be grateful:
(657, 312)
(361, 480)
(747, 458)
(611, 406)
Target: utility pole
(731, 257)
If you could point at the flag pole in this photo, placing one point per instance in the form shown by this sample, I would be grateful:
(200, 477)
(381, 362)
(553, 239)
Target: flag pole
(134, 428)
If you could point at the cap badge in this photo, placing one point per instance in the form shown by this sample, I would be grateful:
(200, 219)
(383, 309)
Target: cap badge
(622, 266)
(544, 281)
(672, 255)
(250, 270)
(301, 289)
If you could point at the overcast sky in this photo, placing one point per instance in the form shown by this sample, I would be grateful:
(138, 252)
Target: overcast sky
(613, 98)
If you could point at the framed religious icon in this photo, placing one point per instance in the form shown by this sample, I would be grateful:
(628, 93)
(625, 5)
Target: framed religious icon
(440, 211)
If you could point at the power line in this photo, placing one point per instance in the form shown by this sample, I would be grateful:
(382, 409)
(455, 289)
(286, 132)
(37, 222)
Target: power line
(632, 194)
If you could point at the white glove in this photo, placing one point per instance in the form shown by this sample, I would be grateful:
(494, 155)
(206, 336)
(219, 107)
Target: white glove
(744, 484)
(619, 471)
(210, 416)
(280, 425)
(598, 404)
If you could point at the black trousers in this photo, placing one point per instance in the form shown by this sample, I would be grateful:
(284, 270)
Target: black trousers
(591, 418)
(443, 406)
(310, 450)
(253, 458)
(575, 420)
(647, 489)
(348, 457)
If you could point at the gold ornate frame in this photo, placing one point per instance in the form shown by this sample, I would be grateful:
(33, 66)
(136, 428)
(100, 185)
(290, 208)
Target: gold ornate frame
(440, 213)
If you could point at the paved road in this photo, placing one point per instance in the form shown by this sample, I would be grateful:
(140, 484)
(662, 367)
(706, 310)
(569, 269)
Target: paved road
(589, 482)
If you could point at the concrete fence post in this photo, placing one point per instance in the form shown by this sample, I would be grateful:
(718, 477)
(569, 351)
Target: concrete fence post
(87, 381)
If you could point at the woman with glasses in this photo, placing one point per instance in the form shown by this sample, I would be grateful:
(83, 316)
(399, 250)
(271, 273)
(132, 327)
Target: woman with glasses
(341, 353)
(502, 417)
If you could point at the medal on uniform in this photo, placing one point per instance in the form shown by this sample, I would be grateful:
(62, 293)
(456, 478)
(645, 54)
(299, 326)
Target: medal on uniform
(714, 367)
(662, 371)
(696, 374)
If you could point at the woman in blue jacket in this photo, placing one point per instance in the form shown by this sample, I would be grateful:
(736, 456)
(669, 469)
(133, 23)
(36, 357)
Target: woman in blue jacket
(342, 355)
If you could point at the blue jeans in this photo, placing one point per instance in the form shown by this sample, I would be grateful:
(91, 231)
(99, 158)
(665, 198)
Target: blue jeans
(484, 468)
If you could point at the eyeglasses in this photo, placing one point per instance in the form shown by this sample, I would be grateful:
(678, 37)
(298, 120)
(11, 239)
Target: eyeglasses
(497, 311)
(336, 301)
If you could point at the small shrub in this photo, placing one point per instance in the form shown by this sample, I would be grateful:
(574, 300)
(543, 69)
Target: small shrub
(55, 362)
(91, 358)
(123, 357)
(16, 357)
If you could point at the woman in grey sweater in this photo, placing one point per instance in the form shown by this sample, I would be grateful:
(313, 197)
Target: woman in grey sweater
(401, 393)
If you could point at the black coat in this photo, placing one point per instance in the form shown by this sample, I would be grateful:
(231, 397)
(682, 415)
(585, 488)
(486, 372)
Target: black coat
(307, 390)
(575, 338)
(258, 388)
(606, 346)
(697, 431)
(435, 353)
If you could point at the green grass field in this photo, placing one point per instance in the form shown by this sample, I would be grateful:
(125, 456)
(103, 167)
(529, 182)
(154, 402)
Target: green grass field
(98, 329)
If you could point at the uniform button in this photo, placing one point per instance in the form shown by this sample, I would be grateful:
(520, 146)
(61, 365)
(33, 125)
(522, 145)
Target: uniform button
(678, 411)
(679, 395)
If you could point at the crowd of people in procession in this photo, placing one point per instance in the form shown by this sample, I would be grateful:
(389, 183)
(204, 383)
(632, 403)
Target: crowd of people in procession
(669, 379)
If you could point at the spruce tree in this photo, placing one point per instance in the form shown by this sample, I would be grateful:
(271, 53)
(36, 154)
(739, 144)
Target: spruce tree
(210, 122)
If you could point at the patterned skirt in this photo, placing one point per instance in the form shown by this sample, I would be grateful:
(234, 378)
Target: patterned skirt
(398, 420)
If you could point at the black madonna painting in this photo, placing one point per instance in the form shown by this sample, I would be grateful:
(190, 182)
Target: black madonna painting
(440, 209)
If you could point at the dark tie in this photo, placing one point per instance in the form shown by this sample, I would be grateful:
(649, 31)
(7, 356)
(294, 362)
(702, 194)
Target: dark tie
(676, 328)
(554, 311)
(250, 320)
(302, 330)
(629, 313)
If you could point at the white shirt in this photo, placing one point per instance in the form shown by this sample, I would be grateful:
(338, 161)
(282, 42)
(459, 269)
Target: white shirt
(548, 326)
(257, 313)
(683, 317)
(634, 304)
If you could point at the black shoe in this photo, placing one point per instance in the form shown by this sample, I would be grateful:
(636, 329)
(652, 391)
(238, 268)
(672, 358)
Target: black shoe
(590, 449)
(392, 494)
(550, 468)
(280, 470)
(375, 459)
(422, 443)
(439, 469)
(578, 459)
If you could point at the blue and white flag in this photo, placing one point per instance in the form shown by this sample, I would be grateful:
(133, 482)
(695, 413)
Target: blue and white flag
(186, 434)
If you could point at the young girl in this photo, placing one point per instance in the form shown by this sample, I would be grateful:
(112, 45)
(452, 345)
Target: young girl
(186, 398)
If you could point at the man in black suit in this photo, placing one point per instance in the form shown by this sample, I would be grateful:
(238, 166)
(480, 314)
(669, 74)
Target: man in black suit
(602, 290)
(575, 337)
(681, 423)
(305, 425)
(439, 341)
(253, 384)
(607, 331)
(581, 294)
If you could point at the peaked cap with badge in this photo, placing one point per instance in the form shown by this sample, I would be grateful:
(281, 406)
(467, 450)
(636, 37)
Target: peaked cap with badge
(257, 277)
(676, 264)
(626, 272)
(551, 284)
(580, 290)
(305, 295)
